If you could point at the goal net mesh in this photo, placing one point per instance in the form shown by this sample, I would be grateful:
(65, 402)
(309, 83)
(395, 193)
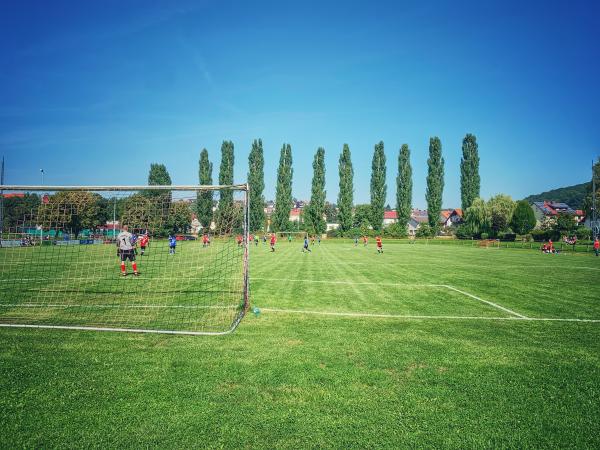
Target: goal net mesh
(61, 263)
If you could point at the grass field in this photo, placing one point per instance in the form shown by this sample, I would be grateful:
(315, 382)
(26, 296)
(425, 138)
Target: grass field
(423, 346)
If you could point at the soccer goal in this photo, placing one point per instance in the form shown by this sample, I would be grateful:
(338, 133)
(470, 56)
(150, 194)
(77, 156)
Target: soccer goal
(158, 259)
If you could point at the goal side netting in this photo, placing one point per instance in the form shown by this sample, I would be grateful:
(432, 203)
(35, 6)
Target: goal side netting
(168, 259)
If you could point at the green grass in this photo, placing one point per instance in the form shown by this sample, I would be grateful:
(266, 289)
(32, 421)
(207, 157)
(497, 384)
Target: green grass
(466, 374)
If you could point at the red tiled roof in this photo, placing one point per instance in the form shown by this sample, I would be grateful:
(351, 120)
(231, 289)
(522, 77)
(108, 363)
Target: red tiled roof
(295, 212)
(446, 213)
(14, 195)
(390, 215)
(579, 212)
(459, 212)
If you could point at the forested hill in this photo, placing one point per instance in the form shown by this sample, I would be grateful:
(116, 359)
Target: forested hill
(571, 195)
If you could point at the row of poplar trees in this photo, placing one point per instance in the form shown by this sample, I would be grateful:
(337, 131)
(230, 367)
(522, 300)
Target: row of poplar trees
(313, 216)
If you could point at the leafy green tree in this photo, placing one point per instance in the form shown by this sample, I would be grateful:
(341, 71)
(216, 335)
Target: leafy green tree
(256, 180)
(17, 210)
(523, 218)
(469, 171)
(378, 187)
(316, 208)
(180, 217)
(283, 194)
(362, 216)
(565, 224)
(435, 183)
(346, 193)
(331, 213)
(158, 176)
(204, 204)
(72, 211)
(478, 217)
(424, 231)
(501, 209)
(404, 186)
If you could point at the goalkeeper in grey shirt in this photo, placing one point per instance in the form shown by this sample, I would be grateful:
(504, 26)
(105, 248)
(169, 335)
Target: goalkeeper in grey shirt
(126, 250)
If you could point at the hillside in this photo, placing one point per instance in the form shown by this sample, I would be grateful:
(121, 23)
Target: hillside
(571, 195)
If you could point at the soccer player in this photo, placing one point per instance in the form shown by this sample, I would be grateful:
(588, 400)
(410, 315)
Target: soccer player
(596, 246)
(273, 242)
(289, 238)
(144, 242)
(365, 240)
(319, 239)
(205, 240)
(312, 240)
(305, 244)
(125, 250)
(379, 245)
(239, 240)
(356, 241)
(172, 244)
(256, 240)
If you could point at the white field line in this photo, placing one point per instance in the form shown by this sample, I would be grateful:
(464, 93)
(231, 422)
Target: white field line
(129, 330)
(495, 305)
(351, 283)
(402, 316)
(460, 266)
(37, 305)
(443, 286)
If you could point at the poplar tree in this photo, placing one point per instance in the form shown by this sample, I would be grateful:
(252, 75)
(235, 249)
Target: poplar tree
(404, 186)
(316, 208)
(378, 187)
(226, 174)
(469, 171)
(283, 195)
(346, 193)
(204, 205)
(435, 183)
(256, 181)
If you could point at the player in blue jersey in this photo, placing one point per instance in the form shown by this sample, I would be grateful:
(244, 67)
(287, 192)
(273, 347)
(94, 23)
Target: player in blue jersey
(305, 247)
(172, 244)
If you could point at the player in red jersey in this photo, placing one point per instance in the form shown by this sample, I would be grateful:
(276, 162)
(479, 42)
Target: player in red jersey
(273, 242)
(365, 240)
(379, 245)
(144, 243)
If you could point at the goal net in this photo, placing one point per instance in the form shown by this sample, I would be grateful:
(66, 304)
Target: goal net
(163, 259)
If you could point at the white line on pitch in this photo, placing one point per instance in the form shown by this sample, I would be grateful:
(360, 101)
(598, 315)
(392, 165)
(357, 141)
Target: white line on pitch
(495, 305)
(402, 316)
(34, 305)
(352, 283)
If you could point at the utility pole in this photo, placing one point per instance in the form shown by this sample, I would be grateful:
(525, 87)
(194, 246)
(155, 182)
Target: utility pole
(1, 198)
(595, 225)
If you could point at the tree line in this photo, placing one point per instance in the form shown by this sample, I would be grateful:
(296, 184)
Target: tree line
(348, 215)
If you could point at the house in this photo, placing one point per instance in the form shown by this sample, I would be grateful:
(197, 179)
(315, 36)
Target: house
(417, 217)
(390, 217)
(14, 195)
(295, 214)
(415, 222)
(548, 210)
(451, 217)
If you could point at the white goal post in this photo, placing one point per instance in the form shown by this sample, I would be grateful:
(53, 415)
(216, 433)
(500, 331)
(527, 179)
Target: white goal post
(155, 259)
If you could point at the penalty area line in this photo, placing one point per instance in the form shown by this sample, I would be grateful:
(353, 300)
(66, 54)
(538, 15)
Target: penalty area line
(418, 317)
(495, 305)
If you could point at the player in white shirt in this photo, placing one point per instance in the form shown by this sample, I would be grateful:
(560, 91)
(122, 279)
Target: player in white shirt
(126, 250)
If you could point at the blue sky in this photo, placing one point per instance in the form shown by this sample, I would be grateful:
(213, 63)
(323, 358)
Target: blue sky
(94, 92)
